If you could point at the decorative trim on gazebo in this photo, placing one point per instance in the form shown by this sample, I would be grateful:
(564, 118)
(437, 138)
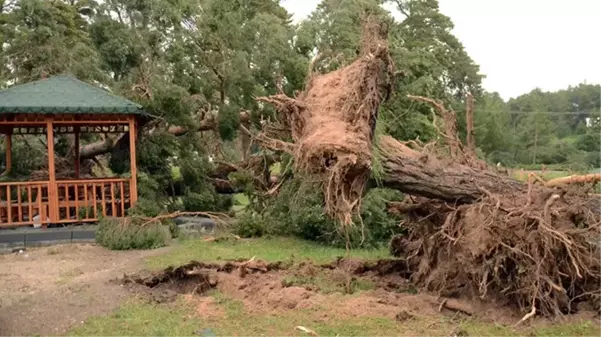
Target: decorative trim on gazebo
(66, 105)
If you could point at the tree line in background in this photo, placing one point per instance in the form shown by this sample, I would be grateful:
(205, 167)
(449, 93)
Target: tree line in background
(198, 65)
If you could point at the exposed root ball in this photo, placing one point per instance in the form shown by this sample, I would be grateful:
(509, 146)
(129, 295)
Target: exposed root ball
(333, 122)
(537, 250)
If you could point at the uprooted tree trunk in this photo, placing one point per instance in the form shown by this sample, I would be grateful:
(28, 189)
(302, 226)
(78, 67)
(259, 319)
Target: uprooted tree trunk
(332, 123)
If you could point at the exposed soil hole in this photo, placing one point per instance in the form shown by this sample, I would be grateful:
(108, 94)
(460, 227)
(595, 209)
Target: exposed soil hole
(386, 289)
(194, 277)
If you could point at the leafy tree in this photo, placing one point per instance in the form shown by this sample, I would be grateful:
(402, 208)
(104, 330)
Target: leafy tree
(47, 37)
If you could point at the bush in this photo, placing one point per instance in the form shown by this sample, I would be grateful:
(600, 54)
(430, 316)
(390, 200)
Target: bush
(131, 233)
(251, 226)
(298, 211)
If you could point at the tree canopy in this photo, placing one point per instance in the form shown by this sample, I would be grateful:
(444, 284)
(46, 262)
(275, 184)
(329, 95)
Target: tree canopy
(201, 64)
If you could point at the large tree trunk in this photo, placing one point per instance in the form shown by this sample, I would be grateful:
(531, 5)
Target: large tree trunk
(422, 175)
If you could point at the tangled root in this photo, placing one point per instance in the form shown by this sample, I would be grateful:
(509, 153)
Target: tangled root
(542, 256)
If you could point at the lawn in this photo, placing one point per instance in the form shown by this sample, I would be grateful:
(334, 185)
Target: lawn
(180, 319)
(268, 249)
(141, 318)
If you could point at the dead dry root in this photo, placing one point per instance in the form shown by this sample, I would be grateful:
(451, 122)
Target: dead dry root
(332, 123)
(537, 250)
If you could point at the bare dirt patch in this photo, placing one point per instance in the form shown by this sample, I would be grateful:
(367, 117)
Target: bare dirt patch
(266, 288)
(48, 290)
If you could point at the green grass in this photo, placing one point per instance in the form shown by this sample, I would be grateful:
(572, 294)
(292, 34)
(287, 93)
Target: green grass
(141, 318)
(548, 175)
(240, 202)
(144, 319)
(269, 249)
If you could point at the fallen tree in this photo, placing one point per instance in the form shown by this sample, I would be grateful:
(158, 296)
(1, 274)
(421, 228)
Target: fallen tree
(471, 231)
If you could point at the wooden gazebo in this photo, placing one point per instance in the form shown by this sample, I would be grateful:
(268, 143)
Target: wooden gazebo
(65, 105)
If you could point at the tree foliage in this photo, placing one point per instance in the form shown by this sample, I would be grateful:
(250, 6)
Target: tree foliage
(188, 61)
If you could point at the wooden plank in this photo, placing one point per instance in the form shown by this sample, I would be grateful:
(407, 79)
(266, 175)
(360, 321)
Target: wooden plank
(30, 205)
(122, 199)
(76, 201)
(86, 204)
(103, 200)
(113, 207)
(76, 134)
(67, 209)
(95, 200)
(96, 180)
(52, 192)
(40, 210)
(133, 193)
(9, 205)
(19, 210)
(15, 183)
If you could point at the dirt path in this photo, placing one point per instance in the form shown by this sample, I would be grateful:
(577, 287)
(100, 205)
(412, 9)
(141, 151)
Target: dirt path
(47, 290)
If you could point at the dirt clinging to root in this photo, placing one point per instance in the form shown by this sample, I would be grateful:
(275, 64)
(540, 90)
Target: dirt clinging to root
(333, 120)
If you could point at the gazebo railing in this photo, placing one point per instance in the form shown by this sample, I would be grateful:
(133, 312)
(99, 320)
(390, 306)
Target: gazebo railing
(21, 202)
(89, 199)
(77, 200)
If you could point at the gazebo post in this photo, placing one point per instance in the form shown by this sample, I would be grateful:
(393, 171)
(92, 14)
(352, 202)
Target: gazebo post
(133, 186)
(52, 193)
(9, 152)
(77, 161)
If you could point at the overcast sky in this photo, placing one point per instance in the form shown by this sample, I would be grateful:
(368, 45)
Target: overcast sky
(521, 44)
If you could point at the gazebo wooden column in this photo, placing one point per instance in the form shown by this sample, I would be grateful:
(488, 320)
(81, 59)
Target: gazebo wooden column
(132, 160)
(52, 192)
(77, 160)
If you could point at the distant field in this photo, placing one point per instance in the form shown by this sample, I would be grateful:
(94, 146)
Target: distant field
(522, 175)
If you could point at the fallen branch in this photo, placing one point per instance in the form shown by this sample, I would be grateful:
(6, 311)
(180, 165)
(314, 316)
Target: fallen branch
(592, 178)
(219, 218)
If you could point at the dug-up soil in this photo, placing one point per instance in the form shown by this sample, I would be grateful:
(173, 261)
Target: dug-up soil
(279, 287)
(48, 291)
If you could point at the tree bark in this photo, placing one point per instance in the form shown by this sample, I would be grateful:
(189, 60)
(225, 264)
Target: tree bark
(421, 174)
(426, 177)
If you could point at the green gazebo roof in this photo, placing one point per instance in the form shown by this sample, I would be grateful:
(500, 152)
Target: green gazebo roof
(64, 94)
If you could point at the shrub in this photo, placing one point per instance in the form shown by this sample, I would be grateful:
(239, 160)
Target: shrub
(131, 233)
(251, 226)
(298, 211)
